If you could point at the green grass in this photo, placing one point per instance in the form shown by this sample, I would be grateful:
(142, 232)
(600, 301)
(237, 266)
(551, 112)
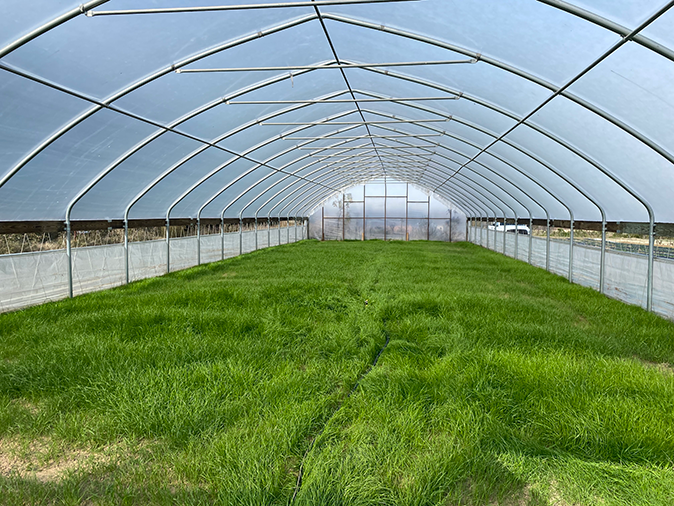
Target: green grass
(500, 384)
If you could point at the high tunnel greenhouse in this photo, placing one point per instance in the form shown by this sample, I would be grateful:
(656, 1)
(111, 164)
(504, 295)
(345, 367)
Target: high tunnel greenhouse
(208, 117)
(122, 114)
(337, 252)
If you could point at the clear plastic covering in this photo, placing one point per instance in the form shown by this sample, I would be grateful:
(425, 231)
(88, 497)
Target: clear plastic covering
(541, 107)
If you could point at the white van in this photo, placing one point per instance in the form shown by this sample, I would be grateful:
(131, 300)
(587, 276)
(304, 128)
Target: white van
(519, 229)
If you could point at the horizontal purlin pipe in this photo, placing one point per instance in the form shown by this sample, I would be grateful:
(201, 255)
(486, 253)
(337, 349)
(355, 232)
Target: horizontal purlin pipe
(327, 66)
(242, 7)
(340, 101)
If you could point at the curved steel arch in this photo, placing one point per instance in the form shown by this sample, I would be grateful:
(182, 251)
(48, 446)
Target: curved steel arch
(560, 90)
(254, 168)
(567, 180)
(163, 131)
(107, 103)
(234, 181)
(616, 28)
(200, 181)
(514, 198)
(569, 210)
(567, 207)
(295, 181)
(526, 152)
(236, 43)
(474, 145)
(582, 192)
(352, 21)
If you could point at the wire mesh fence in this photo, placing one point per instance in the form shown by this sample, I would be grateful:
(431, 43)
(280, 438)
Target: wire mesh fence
(626, 247)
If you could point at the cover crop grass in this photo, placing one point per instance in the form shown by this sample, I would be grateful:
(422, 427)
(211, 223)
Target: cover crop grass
(501, 384)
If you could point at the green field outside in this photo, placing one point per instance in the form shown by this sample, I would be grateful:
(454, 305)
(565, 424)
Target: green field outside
(495, 383)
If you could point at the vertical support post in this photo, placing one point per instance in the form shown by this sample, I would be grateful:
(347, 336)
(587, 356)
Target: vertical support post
(450, 224)
(651, 251)
(288, 229)
(69, 255)
(385, 202)
(256, 233)
(484, 229)
(198, 241)
(547, 245)
(322, 223)
(495, 242)
(343, 215)
(487, 220)
(279, 228)
(531, 238)
(268, 232)
(602, 265)
(364, 211)
(505, 221)
(126, 249)
(494, 230)
(240, 235)
(407, 211)
(168, 245)
(222, 236)
(571, 251)
(517, 233)
(428, 220)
